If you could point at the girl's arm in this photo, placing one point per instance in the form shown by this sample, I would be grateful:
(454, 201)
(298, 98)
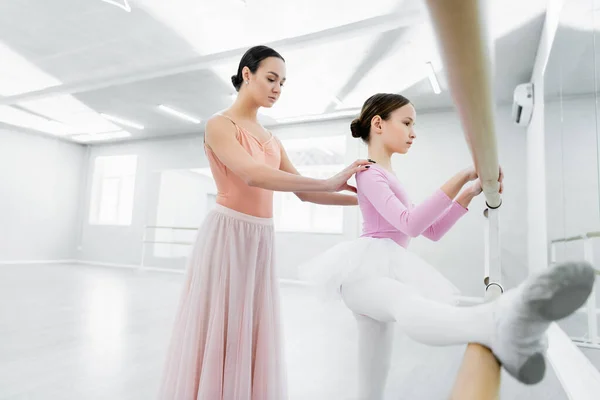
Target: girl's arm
(374, 185)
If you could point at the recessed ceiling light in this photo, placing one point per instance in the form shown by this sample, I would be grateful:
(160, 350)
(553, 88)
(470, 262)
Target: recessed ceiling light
(101, 136)
(319, 117)
(123, 4)
(435, 85)
(122, 121)
(178, 114)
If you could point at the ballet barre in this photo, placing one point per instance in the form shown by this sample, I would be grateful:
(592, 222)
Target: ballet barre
(145, 240)
(466, 52)
(492, 259)
(466, 49)
(592, 339)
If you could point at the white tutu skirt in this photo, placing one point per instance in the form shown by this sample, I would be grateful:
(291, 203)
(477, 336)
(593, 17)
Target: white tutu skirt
(365, 258)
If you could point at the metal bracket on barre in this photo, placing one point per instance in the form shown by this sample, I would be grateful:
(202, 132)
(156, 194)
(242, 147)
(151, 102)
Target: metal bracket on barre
(493, 208)
(488, 285)
(487, 210)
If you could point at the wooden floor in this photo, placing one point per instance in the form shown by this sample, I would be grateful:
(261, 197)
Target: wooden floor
(80, 332)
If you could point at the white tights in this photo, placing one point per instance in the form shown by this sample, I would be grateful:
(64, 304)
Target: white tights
(379, 303)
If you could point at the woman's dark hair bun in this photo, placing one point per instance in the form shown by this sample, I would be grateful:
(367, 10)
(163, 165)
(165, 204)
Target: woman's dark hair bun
(355, 128)
(252, 59)
(237, 81)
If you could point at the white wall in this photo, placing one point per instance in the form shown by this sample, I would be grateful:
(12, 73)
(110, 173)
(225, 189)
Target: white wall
(296, 248)
(440, 151)
(571, 169)
(40, 181)
(572, 182)
(572, 197)
(536, 164)
(122, 245)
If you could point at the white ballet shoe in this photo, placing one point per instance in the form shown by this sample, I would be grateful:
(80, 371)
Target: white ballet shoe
(523, 315)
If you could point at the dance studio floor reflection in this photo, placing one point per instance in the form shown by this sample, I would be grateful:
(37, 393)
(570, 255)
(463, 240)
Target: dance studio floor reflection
(80, 332)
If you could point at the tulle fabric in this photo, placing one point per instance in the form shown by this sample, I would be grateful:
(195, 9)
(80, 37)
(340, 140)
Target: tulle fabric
(367, 257)
(226, 342)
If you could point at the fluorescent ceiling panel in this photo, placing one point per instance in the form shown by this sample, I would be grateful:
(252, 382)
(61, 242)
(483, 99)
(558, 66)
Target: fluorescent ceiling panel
(65, 115)
(433, 79)
(179, 114)
(257, 21)
(69, 110)
(18, 75)
(401, 68)
(12, 116)
(122, 121)
(122, 4)
(101, 137)
(351, 113)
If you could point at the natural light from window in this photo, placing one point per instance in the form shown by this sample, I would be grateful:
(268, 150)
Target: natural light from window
(113, 188)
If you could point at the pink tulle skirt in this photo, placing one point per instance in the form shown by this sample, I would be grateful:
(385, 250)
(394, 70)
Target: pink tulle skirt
(226, 342)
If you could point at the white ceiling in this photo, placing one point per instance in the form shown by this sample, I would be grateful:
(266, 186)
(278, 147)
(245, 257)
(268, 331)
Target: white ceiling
(87, 58)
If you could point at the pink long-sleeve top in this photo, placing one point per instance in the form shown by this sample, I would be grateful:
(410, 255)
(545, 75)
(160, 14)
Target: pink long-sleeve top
(388, 212)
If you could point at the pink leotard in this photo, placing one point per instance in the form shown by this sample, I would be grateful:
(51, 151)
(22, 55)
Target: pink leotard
(388, 212)
(233, 192)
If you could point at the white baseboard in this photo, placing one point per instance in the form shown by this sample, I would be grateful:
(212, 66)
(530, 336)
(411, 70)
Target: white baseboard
(169, 270)
(105, 264)
(293, 282)
(89, 262)
(34, 262)
(130, 266)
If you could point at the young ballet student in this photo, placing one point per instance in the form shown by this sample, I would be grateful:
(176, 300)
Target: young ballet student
(385, 285)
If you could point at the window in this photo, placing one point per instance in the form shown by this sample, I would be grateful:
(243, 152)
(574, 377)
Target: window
(113, 189)
(315, 157)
